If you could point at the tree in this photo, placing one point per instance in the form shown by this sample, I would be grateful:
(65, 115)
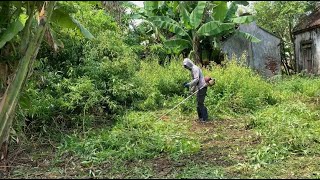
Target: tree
(288, 14)
(118, 10)
(30, 50)
(146, 32)
(195, 21)
(31, 24)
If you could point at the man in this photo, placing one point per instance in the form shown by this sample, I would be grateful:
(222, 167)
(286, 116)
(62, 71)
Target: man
(198, 82)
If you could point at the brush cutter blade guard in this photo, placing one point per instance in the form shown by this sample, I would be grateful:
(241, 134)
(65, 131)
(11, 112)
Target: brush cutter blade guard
(212, 82)
(209, 81)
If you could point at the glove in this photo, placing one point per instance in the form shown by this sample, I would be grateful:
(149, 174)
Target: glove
(186, 85)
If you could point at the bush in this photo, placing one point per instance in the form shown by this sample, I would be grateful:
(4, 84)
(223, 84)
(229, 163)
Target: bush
(160, 83)
(237, 90)
(112, 65)
(98, 82)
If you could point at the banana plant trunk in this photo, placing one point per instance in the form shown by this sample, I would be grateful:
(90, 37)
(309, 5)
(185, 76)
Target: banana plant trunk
(11, 95)
(196, 44)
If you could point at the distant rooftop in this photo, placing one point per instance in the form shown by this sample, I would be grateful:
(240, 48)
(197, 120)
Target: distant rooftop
(309, 22)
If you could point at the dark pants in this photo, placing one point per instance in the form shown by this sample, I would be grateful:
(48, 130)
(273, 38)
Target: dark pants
(201, 109)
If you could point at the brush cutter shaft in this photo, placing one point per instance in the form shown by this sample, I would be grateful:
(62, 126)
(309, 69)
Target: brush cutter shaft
(182, 101)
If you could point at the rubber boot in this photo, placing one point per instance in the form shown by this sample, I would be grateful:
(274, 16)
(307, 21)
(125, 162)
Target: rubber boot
(204, 113)
(199, 113)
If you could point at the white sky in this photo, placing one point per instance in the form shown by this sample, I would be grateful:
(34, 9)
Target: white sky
(138, 3)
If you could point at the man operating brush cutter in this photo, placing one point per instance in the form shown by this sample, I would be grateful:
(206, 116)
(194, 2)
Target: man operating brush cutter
(198, 84)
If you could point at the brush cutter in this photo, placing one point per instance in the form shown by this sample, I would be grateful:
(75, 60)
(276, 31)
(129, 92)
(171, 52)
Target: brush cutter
(209, 82)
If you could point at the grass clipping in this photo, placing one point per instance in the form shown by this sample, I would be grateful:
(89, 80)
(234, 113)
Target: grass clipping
(135, 136)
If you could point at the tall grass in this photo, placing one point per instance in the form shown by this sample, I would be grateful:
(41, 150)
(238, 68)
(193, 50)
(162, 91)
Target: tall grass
(160, 83)
(238, 90)
(290, 127)
(297, 87)
(135, 136)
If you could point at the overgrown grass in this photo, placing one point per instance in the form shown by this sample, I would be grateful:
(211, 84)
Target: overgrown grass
(238, 90)
(292, 126)
(135, 136)
(297, 87)
(160, 83)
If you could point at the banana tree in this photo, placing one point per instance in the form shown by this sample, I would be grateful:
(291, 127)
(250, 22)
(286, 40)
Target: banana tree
(155, 8)
(62, 18)
(10, 98)
(31, 25)
(207, 19)
(150, 9)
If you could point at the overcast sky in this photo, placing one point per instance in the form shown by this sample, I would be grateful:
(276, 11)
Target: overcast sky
(138, 3)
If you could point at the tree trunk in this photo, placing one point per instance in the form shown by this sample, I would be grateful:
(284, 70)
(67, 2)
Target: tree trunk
(26, 31)
(3, 77)
(4, 146)
(293, 61)
(283, 58)
(11, 96)
(196, 44)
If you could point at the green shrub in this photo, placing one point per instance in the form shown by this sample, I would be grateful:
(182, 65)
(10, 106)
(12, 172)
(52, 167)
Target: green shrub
(99, 82)
(112, 66)
(237, 90)
(160, 83)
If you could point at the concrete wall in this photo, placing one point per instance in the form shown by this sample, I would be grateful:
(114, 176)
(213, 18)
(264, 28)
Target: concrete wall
(263, 57)
(314, 36)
